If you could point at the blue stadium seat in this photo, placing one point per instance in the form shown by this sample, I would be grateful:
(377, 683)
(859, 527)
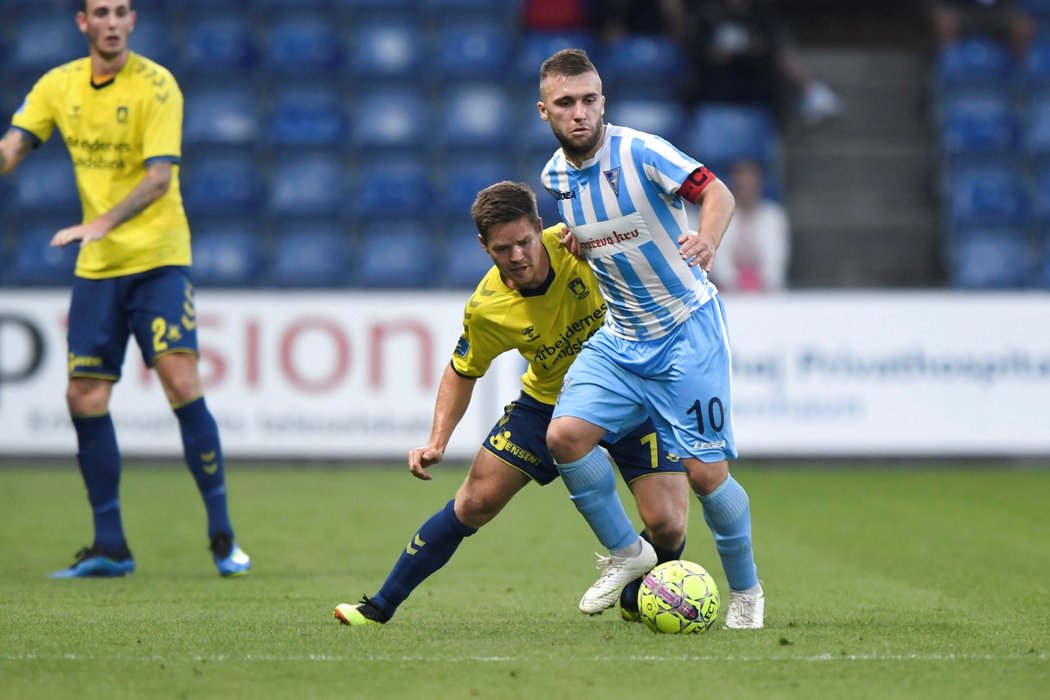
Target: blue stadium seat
(394, 187)
(989, 195)
(1038, 136)
(295, 4)
(221, 114)
(464, 176)
(464, 262)
(309, 116)
(722, 133)
(385, 9)
(35, 262)
(299, 47)
(398, 253)
(478, 116)
(1037, 63)
(221, 183)
(638, 65)
(972, 60)
(41, 43)
(981, 124)
(152, 38)
(44, 182)
(474, 49)
(661, 117)
(380, 50)
(227, 254)
(310, 255)
(1042, 196)
(537, 47)
(309, 186)
(993, 258)
(504, 12)
(219, 44)
(390, 119)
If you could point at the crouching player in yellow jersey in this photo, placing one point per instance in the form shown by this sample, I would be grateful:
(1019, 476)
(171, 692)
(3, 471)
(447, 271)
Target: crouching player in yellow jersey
(121, 117)
(543, 302)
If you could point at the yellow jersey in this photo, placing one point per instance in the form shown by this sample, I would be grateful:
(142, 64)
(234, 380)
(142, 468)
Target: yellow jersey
(547, 325)
(112, 131)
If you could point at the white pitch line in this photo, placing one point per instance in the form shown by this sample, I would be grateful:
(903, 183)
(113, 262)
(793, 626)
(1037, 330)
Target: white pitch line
(265, 658)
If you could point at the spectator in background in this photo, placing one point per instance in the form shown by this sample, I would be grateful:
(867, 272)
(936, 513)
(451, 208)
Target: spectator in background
(739, 52)
(754, 253)
(1003, 19)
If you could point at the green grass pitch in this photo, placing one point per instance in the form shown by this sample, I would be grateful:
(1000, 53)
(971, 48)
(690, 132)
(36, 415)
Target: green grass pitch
(880, 581)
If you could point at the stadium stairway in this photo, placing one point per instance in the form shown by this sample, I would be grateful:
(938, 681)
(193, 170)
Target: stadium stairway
(858, 189)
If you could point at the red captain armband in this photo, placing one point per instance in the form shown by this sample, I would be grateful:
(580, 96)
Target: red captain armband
(695, 184)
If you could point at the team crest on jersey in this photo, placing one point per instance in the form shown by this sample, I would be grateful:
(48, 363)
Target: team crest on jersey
(577, 287)
(122, 115)
(613, 176)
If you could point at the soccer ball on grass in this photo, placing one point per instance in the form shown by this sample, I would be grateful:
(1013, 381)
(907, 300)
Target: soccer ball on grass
(678, 597)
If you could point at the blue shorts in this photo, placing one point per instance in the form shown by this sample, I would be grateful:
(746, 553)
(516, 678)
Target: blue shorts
(156, 305)
(519, 439)
(681, 381)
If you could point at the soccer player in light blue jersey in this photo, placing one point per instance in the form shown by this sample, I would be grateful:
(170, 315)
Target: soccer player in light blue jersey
(664, 348)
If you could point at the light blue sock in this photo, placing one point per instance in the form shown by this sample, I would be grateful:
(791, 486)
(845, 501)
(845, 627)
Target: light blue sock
(592, 488)
(727, 512)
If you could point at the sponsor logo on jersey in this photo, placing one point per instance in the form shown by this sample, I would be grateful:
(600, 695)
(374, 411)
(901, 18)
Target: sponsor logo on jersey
(571, 194)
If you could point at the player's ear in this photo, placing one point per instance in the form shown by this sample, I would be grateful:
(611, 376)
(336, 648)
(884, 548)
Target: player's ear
(542, 109)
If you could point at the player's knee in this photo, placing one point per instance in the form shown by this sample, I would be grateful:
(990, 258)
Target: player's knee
(666, 528)
(86, 397)
(563, 443)
(705, 477)
(475, 510)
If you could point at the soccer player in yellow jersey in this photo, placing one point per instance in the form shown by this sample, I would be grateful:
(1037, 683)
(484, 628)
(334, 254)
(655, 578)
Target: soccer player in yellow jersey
(543, 302)
(121, 117)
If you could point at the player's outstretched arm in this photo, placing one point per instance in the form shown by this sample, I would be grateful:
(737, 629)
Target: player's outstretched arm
(13, 148)
(716, 209)
(152, 187)
(453, 397)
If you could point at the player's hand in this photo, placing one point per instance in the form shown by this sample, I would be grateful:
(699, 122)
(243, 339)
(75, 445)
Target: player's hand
(696, 250)
(421, 459)
(85, 233)
(569, 241)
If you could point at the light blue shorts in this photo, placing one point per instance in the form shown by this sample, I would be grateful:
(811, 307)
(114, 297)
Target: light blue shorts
(682, 381)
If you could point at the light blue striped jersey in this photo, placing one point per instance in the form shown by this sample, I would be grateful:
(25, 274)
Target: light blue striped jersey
(623, 207)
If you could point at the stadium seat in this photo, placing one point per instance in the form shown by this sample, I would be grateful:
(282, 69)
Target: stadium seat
(981, 124)
(1037, 63)
(314, 186)
(398, 253)
(310, 255)
(393, 187)
(465, 175)
(723, 133)
(35, 262)
(226, 254)
(390, 119)
(305, 116)
(41, 43)
(989, 195)
(1038, 136)
(219, 44)
(661, 117)
(381, 50)
(295, 4)
(45, 182)
(465, 262)
(152, 38)
(221, 183)
(637, 65)
(220, 114)
(474, 49)
(973, 60)
(501, 12)
(1042, 195)
(298, 47)
(992, 258)
(478, 116)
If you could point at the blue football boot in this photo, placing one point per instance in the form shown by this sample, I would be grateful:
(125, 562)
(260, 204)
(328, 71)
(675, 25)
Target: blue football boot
(230, 559)
(92, 562)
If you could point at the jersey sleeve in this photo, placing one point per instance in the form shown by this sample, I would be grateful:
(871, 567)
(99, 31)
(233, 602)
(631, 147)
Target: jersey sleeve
(162, 137)
(664, 165)
(478, 346)
(36, 114)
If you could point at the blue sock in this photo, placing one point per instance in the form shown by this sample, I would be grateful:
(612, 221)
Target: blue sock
(429, 550)
(99, 461)
(728, 514)
(592, 488)
(203, 453)
(629, 596)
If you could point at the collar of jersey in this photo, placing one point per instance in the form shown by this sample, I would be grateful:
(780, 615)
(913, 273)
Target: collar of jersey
(542, 289)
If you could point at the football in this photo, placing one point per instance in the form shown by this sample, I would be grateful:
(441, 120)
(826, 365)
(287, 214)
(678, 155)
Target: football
(678, 597)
